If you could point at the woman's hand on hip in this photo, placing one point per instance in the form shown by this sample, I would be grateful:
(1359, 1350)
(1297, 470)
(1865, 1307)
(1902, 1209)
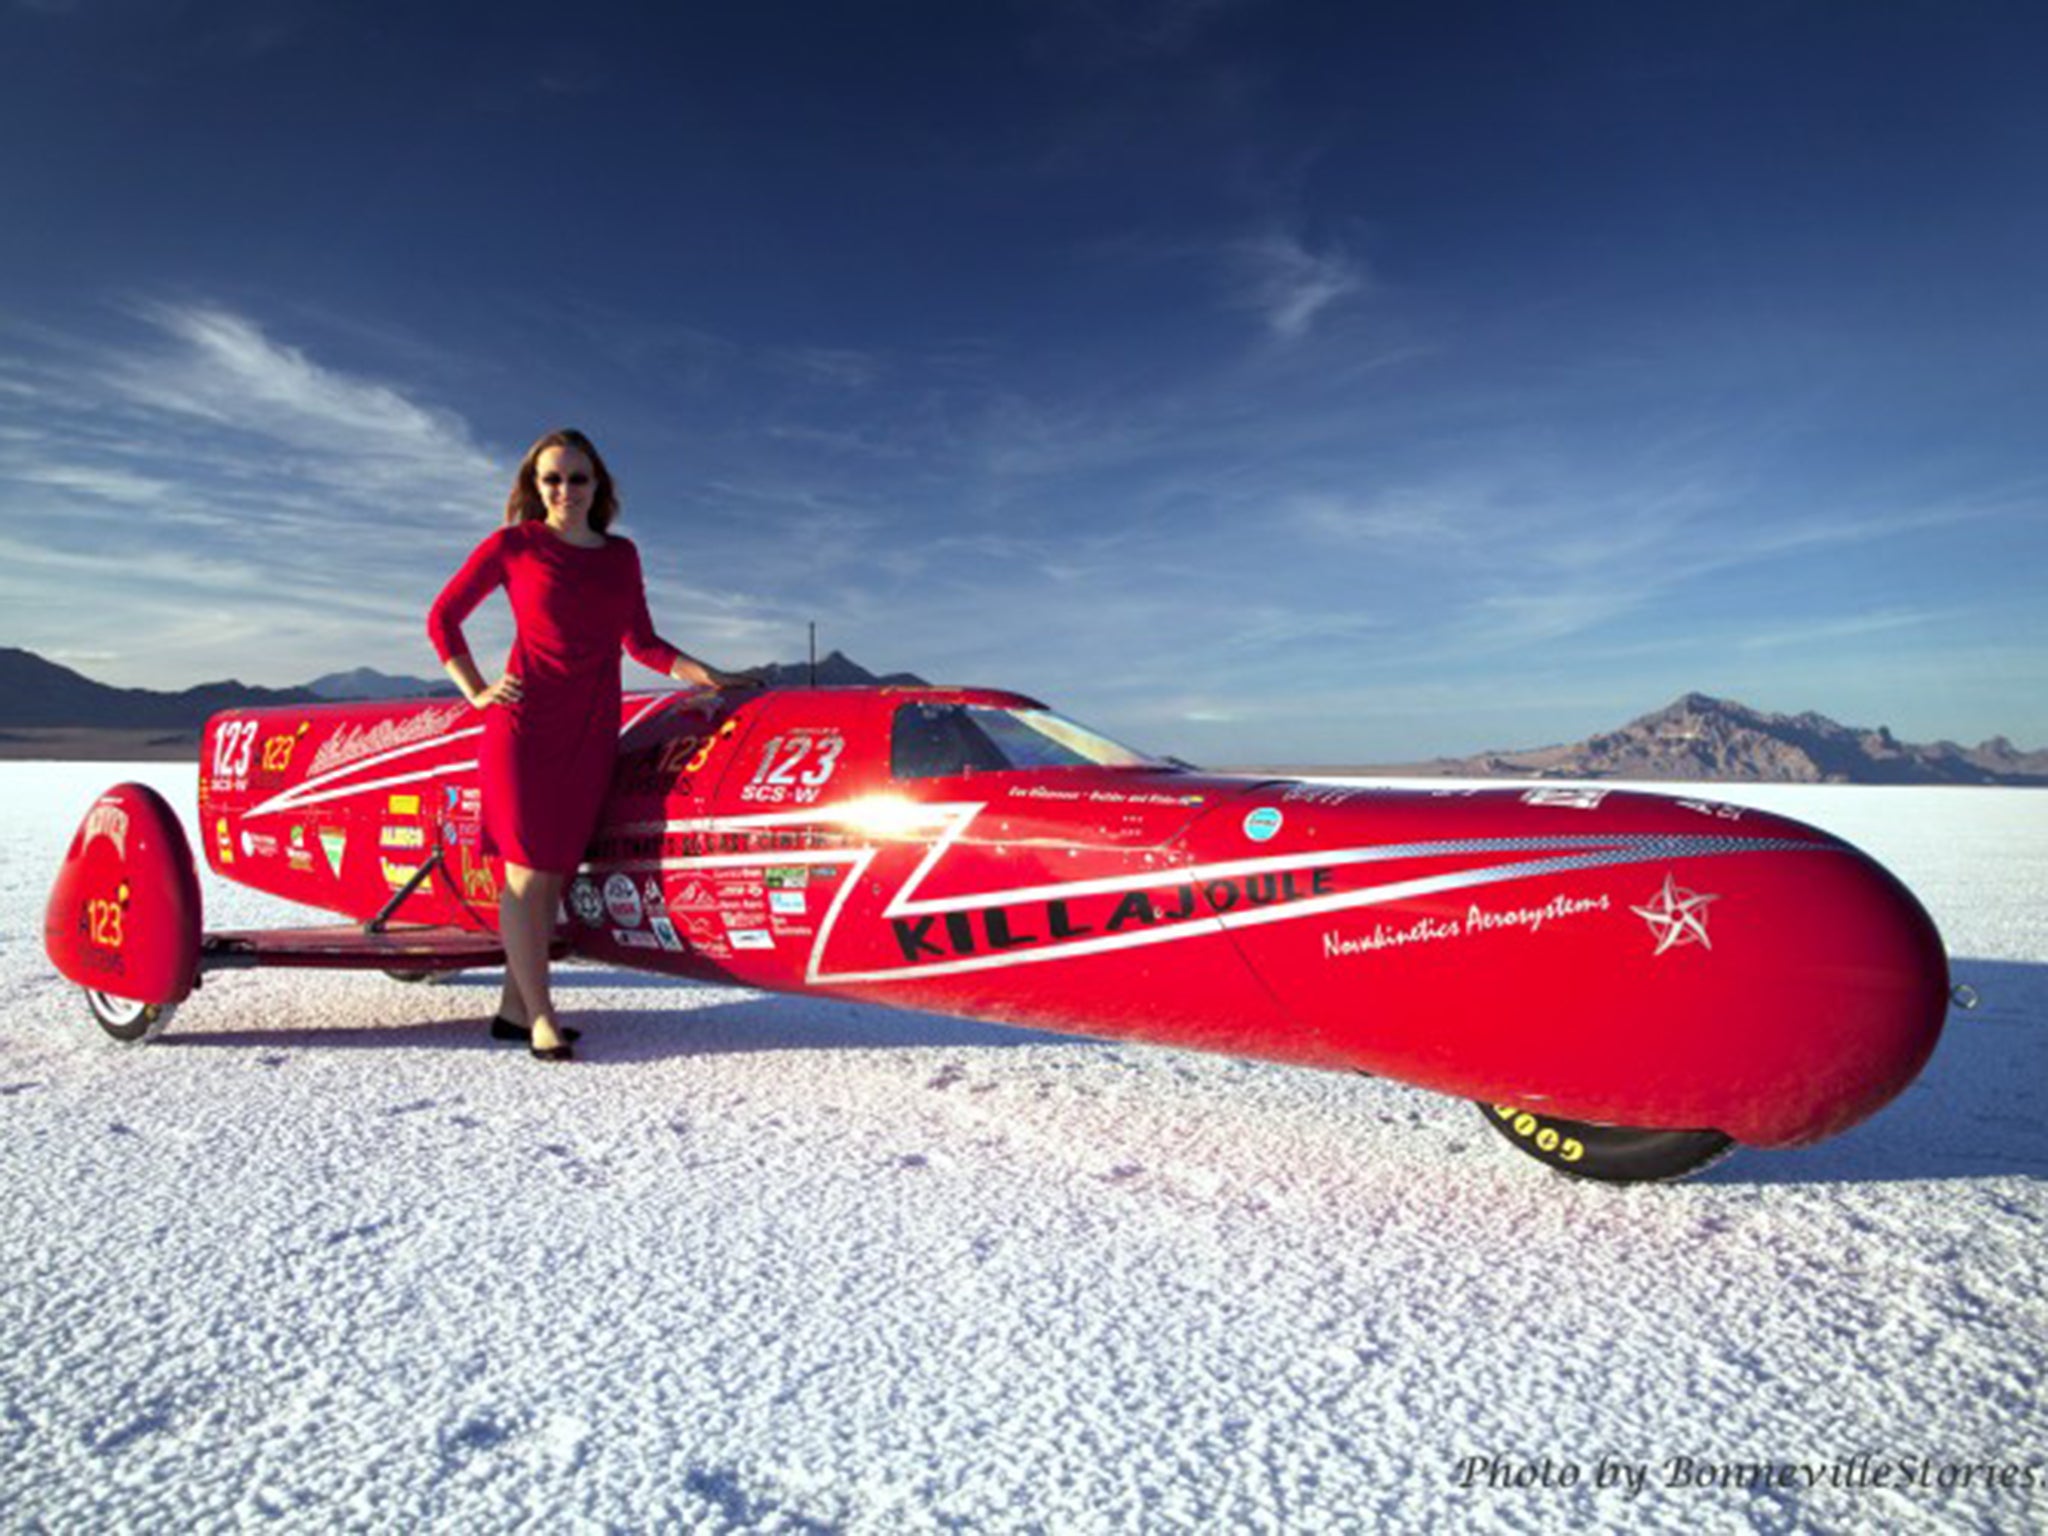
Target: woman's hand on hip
(504, 691)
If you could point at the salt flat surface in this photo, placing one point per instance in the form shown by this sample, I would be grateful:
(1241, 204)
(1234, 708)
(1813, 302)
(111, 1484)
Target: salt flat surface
(325, 1258)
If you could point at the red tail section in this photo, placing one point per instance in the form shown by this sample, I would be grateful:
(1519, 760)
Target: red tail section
(124, 915)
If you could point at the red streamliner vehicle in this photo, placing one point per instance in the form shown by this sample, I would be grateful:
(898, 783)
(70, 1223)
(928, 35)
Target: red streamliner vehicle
(1627, 983)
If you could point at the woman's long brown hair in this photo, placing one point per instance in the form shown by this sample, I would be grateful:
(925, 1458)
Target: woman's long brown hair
(524, 504)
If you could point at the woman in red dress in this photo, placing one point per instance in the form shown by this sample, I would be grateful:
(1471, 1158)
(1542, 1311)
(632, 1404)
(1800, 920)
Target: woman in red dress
(551, 721)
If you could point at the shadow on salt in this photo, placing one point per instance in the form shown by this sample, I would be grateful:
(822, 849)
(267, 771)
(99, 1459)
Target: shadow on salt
(718, 1020)
(1979, 1109)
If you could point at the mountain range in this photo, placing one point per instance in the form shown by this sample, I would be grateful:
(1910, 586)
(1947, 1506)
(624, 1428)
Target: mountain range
(50, 711)
(1697, 737)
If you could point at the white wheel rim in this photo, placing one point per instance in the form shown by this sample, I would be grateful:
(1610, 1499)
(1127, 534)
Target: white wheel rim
(118, 1011)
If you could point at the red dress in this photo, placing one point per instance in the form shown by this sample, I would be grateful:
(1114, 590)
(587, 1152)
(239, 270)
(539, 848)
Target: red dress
(547, 760)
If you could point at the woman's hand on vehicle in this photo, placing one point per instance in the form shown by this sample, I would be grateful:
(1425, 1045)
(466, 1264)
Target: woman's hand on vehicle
(752, 677)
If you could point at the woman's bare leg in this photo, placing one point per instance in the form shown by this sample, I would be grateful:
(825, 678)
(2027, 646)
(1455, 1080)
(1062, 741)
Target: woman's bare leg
(526, 924)
(511, 1006)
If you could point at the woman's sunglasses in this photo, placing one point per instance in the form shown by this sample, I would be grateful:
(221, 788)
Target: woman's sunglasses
(572, 479)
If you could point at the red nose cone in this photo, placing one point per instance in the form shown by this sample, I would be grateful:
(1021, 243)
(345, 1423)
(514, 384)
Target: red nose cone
(1617, 958)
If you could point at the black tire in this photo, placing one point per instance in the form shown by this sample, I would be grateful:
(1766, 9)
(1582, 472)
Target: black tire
(1610, 1154)
(414, 978)
(128, 1021)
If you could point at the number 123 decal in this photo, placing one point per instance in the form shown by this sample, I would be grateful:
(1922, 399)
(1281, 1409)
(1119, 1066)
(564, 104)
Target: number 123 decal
(793, 769)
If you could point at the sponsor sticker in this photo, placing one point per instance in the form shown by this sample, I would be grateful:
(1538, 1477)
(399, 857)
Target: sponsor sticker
(1262, 824)
(1713, 808)
(404, 805)
(334, 844)
(258, 845)
(751, 938)
(633, 938)
(402, 837)
(622, 900)
(1575, 799)
(788, 903)
(1320, 794)
(585, 902)
(108, 821)
(1677, 917)
(665, 932)
(396, 874)
(477, 882)
(786, 877)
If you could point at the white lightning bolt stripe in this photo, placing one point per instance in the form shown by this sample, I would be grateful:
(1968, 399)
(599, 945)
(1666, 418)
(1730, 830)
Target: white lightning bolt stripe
(329, 786)
(646, 709)
(338, 783)
(1649, 850)
(1622, 848)
(1564, 851)
(1652, 850)
(1607, 848)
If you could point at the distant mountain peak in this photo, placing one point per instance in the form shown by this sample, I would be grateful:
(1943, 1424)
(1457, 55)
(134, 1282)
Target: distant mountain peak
(1698, 736)
(368, 683)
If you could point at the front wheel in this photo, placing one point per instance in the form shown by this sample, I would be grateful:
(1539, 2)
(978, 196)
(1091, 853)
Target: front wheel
(126, 1020)
(1611, 1154)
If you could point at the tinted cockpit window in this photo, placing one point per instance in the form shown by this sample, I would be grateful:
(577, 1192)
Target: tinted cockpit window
(932, 741)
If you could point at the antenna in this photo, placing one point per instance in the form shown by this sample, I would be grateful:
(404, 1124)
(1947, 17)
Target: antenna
(814, 653)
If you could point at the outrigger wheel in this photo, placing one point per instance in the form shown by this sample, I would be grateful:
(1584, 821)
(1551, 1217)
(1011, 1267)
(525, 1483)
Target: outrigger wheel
(1611, 1154)
(128, 1021)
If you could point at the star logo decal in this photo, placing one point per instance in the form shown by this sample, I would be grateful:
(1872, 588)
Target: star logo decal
(1677, 916)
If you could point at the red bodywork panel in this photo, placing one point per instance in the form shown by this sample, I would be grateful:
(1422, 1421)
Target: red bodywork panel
(123, 915)
(1598, 955)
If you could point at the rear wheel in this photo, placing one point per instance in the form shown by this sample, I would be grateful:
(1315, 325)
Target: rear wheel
(1612, 1154)
(126, 1020)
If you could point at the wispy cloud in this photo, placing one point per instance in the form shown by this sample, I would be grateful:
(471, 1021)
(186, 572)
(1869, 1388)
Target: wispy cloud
(1287, 284)
(224, 493)
(1395, 517)
(1828, 631)
(225, 369)
(841, 366)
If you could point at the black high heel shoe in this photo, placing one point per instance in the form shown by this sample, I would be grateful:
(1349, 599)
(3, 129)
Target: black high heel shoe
(563, 1052)
(503, 1028)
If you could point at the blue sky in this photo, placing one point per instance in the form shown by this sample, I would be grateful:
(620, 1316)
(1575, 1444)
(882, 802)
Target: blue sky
(1259, 381)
